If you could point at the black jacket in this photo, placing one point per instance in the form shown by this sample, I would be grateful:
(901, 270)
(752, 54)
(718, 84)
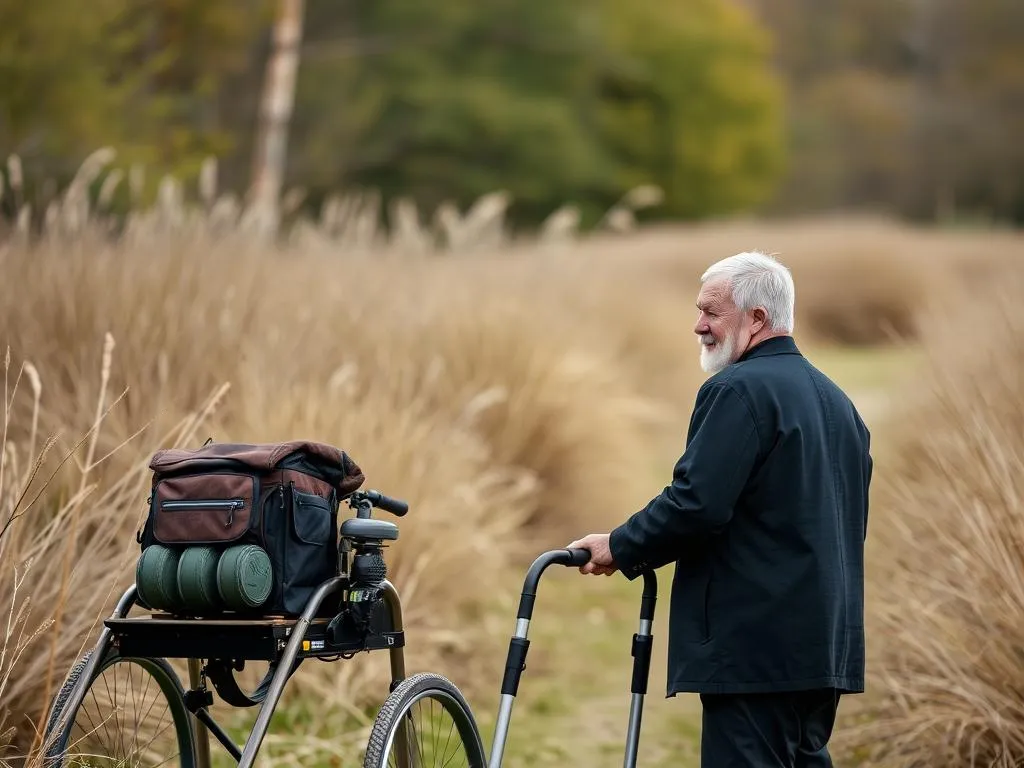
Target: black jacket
(765, 519)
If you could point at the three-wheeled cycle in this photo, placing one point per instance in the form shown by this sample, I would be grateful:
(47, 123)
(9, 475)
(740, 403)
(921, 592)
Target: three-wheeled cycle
(128, 670)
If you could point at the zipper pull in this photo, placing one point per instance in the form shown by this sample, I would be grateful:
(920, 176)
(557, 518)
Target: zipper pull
(231, 514)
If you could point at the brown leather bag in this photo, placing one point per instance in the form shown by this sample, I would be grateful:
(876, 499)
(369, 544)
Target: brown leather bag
(283, 497)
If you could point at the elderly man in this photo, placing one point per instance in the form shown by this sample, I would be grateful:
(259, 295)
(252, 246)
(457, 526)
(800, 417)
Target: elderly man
(765, 520)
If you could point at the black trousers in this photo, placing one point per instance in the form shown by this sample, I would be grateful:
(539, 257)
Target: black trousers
(768, 730)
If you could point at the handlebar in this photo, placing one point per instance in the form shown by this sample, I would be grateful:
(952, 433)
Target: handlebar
(567, 557)
(396, 507)
(363, 501)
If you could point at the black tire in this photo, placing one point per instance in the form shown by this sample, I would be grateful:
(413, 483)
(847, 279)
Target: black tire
(60, 730)
(396, 709)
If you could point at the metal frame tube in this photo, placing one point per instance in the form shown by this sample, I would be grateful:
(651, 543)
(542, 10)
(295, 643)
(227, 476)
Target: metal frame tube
(284, 670)
(636, 708)
(218, 732)
(397, 659)
(199, 730)
(394, 604)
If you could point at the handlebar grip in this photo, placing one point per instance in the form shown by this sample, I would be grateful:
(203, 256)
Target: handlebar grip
(578, 557)
(568, 557)
(396, 507)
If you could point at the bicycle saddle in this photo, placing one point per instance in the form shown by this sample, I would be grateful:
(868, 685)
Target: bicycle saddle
(368, 529)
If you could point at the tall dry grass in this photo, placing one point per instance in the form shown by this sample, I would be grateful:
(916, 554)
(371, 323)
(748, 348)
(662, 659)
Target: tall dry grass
(947, 591)
(476, 390)
(65, 551)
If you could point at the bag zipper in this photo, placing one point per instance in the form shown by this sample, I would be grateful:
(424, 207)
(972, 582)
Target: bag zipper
(231, 505)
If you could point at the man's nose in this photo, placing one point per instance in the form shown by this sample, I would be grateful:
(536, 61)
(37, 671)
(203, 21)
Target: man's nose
(701, 326)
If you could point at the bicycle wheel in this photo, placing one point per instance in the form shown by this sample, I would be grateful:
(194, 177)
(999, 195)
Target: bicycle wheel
(120, 720)
(410, 732)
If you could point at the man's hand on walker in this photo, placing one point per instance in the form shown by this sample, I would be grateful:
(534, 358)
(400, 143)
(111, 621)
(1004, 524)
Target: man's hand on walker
(601, 561)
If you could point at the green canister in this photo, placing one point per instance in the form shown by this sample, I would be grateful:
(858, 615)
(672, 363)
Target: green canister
(197, 579)
(245, 577)
(156, 578)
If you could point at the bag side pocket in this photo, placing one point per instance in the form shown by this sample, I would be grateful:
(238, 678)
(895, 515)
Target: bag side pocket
(309, 552)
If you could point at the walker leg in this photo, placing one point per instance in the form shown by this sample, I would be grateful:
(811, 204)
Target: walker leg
(642, 643)
(515, 662)
(514, 666)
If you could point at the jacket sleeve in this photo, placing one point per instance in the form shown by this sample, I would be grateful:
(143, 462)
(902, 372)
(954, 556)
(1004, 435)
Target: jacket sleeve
(706, 483)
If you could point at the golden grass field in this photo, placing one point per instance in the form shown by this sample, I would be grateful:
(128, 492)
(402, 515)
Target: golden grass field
(517, 394)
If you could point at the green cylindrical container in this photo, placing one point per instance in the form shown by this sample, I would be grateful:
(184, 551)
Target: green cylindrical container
(197, 579)
(245, 577)
(156, 578)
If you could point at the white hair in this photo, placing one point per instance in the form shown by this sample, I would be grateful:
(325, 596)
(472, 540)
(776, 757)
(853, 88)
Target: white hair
(758, 280)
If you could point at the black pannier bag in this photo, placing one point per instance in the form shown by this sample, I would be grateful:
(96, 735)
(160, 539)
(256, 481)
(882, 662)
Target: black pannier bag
(246, 528)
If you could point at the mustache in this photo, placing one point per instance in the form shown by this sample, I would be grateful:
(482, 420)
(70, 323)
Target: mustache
(706, 338)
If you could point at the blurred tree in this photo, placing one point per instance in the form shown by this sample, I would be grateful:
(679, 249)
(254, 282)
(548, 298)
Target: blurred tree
(688, 103)
(276, 104)
(189, 48)
(60, 90)
(144, 76)
(449, 101)
(551, 100)
(915, 107)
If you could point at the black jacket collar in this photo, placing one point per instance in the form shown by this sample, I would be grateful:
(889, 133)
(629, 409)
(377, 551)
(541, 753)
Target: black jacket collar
(777, 345)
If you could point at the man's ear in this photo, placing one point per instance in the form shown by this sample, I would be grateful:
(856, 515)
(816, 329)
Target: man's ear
(760, 316)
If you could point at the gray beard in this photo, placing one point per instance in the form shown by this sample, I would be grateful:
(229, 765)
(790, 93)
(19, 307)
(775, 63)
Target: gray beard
(713, 361)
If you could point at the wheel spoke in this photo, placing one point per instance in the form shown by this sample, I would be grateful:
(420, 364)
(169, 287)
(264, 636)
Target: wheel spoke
(419, 742)
(106, 685)
(102, 721)
(447, 742)
(433, 733)
(92, 726)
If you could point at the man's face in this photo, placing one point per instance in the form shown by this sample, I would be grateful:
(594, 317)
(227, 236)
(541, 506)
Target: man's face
(720, 326)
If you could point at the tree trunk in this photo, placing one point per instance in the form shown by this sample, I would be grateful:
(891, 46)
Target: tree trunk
(276, 104)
